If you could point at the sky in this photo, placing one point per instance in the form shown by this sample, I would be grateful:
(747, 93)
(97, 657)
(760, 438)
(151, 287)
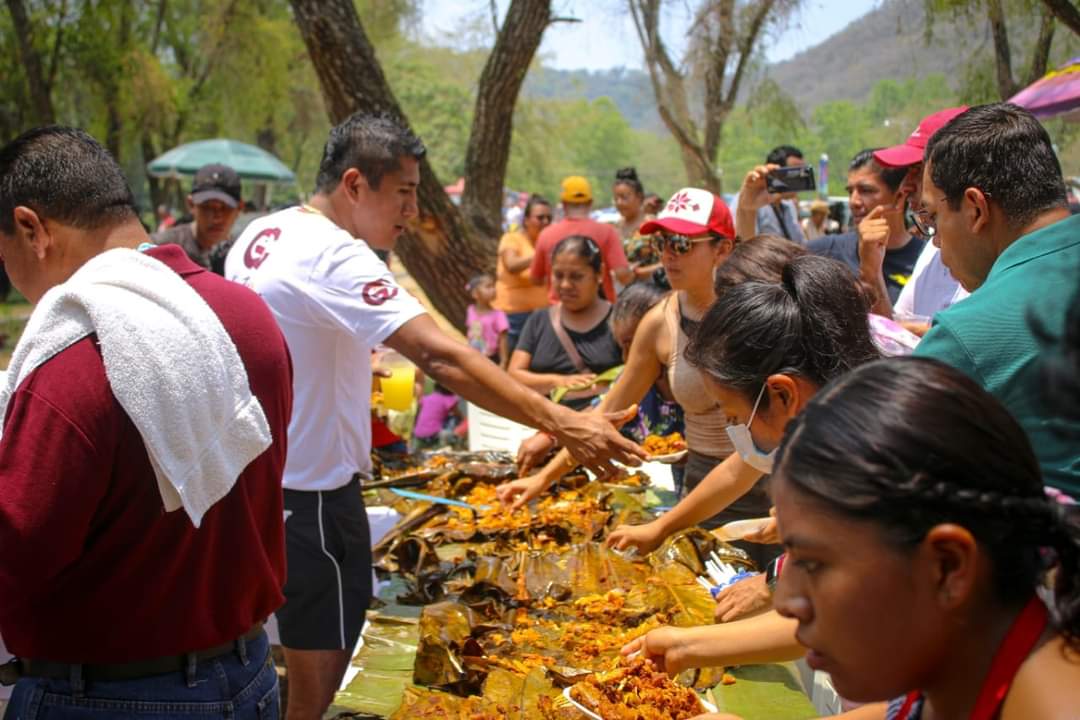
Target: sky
(605, 37)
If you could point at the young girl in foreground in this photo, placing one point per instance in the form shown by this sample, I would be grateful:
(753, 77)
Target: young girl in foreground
(919, 539)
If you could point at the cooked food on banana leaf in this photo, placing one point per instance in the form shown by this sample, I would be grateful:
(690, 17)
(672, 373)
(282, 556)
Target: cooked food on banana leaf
(637, 691)
(418, 705)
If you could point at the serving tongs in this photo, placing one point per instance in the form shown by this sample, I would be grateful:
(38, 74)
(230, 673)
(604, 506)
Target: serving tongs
(437, 500)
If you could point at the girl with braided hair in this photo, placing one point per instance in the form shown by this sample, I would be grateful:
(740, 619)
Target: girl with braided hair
(919, 538)
(927, 570)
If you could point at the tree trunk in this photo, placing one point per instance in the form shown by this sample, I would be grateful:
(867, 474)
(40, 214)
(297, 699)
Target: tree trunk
(489, 139)
(40, 97)
(725, 36)
(441, 252)
(1066, 13)
(1007, 87)
(1040, 56)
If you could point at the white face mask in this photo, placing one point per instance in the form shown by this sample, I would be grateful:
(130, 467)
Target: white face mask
(744, 442)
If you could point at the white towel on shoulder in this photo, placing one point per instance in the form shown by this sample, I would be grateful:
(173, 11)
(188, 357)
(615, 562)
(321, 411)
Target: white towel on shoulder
(170, 364)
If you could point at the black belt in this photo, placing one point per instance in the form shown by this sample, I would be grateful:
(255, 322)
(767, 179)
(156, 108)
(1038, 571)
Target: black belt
(111, 672)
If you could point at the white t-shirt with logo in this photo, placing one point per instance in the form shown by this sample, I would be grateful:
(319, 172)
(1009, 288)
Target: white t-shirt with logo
(334, 300)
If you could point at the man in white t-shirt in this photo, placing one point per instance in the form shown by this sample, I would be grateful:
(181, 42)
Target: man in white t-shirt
(931, 287)
(335, 301)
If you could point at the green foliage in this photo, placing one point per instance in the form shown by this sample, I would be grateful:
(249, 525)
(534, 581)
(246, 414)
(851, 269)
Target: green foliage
(839, 128)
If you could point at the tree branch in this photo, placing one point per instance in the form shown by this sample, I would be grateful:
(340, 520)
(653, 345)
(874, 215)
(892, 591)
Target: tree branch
(1007, 87)
(488, 151)
(156, 37)
(1066, 13)
(214, 54)
(1040, 54)
(40, 97)
(54, 60)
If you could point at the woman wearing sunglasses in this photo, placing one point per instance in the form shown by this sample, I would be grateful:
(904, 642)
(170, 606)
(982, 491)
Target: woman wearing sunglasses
(693, 235)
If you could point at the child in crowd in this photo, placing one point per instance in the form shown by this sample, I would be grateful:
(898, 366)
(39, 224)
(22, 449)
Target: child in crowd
(486, 326)
(436, 411)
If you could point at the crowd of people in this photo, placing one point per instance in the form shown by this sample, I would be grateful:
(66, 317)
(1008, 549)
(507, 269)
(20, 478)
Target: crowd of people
(901, 400)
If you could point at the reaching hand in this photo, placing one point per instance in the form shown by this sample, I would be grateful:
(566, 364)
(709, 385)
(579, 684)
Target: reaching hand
(516, 493)
(748, 596)
(578, 380)
(665, 646)
(645, 538)
(769, 534)
(593, 441)
(532, 452)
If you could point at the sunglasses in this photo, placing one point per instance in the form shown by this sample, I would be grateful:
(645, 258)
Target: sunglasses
(679, 244)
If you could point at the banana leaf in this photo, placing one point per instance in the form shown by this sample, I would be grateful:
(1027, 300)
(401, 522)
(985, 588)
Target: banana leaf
(605, 378)
(386, 662)
(765, 691)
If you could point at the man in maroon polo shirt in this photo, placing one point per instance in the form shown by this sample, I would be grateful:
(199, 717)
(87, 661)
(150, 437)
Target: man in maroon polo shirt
(113, 605)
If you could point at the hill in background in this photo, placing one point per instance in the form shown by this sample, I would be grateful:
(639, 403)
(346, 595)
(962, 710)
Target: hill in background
(887, 42)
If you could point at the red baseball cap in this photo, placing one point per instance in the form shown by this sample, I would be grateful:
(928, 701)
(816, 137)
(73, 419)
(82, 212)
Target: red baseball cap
(911, 152)
(692, 211)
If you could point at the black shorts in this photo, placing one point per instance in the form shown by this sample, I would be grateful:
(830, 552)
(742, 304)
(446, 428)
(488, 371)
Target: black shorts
(328, 583)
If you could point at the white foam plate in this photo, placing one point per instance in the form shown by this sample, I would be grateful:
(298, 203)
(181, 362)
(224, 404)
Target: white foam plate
(708, 706)
(739, 529)
(668, 458)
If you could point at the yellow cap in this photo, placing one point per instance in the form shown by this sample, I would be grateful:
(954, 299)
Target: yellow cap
(576, 189)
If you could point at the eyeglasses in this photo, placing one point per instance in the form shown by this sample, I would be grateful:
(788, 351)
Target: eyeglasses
(925, 221)
(679, 244)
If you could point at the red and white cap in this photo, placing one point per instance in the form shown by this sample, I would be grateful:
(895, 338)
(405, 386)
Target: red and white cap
(691, 211)
(911, 152)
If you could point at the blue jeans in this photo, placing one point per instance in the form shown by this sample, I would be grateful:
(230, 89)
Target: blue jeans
(229, 686)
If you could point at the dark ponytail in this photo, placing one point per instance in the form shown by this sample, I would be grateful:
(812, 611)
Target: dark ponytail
(813, 323)
(922, 444)
(762, 257)
(628, 176)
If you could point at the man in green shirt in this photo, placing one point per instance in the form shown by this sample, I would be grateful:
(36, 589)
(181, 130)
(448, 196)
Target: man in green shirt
(993, 191)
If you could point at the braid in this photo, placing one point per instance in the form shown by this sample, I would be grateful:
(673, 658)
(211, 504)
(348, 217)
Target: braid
(1064, 532)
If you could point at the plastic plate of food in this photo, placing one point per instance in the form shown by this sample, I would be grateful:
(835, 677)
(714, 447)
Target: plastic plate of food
(706, 706)
(601, 696)
(668, 458)
(740, 529)
(667, 449)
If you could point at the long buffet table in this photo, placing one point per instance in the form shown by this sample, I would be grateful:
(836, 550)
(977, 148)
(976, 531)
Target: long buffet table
(484, 612)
